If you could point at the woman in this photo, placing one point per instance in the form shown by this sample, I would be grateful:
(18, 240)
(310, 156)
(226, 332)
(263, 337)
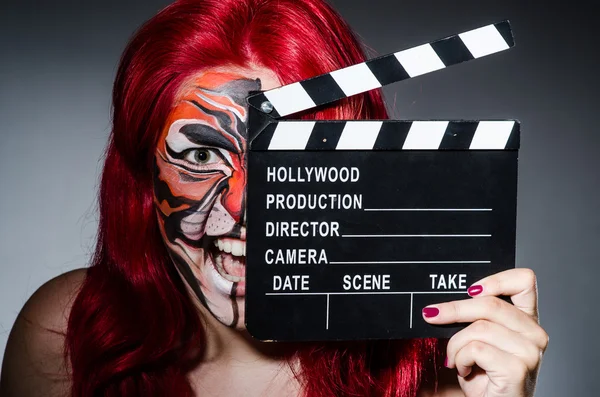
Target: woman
(161, 309)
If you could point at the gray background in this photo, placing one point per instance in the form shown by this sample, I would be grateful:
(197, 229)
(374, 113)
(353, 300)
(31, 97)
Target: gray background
(58, 59)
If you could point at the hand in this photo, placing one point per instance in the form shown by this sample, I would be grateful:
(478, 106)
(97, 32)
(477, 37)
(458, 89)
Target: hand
(499, 354)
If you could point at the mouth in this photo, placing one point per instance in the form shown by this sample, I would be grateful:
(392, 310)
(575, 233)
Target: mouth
(229, 258)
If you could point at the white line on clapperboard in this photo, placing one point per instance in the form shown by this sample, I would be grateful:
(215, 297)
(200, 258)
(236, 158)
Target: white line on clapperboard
(406, 262)
(422, 235)
(417, 235)
(363, 293)
(431, 209)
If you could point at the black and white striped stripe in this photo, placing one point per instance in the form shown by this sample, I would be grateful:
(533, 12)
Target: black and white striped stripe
(385, 70)
(389, 135)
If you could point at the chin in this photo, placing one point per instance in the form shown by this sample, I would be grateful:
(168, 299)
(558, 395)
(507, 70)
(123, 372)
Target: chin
(223, 283)
(241, 324)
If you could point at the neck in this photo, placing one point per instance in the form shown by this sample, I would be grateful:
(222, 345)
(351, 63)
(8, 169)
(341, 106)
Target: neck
(225, 344)
(234, 363)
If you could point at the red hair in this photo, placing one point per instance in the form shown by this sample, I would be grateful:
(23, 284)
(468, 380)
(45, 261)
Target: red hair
(133, 330)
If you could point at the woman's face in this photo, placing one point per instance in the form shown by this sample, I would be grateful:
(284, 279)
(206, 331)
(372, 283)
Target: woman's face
(200, 186)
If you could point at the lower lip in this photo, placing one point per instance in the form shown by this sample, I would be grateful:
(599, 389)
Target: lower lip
(240, 290)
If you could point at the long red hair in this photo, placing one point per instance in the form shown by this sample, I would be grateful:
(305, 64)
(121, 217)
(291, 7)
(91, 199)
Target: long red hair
(133, 330)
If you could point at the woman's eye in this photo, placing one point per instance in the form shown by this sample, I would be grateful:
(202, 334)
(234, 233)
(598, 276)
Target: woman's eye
(200, 156)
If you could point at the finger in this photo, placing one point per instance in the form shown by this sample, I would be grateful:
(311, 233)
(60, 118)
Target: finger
(495, 362)
(497, 336)
(519, 284)
(488, 308)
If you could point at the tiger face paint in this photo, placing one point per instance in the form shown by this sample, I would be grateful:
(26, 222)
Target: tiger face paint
(200, 189)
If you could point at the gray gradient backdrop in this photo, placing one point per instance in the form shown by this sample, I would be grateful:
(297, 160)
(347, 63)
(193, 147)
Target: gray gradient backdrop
(58, 59)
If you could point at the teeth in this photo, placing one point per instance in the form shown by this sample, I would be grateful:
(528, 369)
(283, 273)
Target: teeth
(224, 274)
(227, 247)
(237, 249)
(231, 246)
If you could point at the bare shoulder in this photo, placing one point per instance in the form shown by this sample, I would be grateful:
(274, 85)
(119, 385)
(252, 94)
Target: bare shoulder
(34, 363)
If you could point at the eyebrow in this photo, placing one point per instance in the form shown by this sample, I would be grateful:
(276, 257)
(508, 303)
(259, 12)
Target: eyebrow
(224, 121)
(204, 135)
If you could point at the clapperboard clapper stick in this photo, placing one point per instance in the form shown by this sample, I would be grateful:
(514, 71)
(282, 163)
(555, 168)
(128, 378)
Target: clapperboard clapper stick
(355, 226)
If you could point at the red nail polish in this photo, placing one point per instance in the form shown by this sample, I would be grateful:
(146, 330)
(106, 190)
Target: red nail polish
(431, 312)
(475, 290)
(446, 362)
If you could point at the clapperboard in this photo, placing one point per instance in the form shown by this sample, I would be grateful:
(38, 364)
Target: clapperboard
(355, 226)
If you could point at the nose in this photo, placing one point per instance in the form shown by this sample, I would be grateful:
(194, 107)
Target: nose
(234, 200)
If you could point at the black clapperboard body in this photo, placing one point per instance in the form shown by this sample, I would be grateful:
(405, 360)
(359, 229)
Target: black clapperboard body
(355, 226)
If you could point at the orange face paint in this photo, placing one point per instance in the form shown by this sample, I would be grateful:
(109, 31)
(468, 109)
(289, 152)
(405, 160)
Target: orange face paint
(200, 187)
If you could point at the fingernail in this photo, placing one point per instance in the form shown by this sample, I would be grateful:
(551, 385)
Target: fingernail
(431, 312)
(475, 290)
(446, 362)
